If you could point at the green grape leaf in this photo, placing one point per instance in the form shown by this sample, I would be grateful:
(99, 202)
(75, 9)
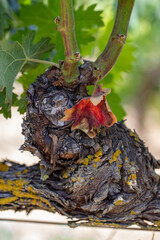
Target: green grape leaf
(109, 80)
(88, 18)
(31, 75)
(42, 22)
(87, 22)
(11, 62)
(22, 103)
(40, 16)
(54, 7)
(35, 50)
(126, 58)
(13, 59)
(114, 102)
(5, 108)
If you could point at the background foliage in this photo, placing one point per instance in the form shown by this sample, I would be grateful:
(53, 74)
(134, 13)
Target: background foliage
(94, 21)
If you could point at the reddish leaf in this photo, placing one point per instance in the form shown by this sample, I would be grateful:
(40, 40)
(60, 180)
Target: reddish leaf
(91, 113)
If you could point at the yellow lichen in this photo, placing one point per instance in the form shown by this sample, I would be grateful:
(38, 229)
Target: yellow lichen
(18, 173)
(133, 212)
(157, 223)
(85, 161)
(134, 134)
(73, 179)
(98, 159)
(3, 167)
(114, 225)
(35, 202)
(98, 153)
(94, 165)
(119, 202)
(132, 177)
(45, 177)
(92, 178)
(32, 190)
(12, 185)
(119, 167)
(16, 188)
(136, 139)
(25, 171)
(131, 134)
(2, 181)
(115, 156)
(20, 194)
(4, 201)
(90, 158)
(79, 179)
(64, 175)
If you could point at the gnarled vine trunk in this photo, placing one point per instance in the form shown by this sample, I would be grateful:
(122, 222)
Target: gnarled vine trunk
(107, 180)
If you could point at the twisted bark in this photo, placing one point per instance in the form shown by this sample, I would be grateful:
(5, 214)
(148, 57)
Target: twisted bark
(109, 180)
(117, 186)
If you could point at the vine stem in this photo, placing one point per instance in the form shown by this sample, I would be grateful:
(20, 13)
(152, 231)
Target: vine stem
(109, 56)
(66, 26)
(42, 61)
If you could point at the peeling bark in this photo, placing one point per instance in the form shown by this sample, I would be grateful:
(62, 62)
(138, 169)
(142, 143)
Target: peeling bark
(108, 180)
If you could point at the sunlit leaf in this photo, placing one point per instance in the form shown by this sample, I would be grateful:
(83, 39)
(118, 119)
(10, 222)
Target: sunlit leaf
(25, 2)
(126, 58)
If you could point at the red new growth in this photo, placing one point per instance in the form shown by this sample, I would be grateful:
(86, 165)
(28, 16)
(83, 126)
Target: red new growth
(91, 113)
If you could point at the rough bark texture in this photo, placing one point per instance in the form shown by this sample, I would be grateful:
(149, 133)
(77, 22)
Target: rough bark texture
(108, 180)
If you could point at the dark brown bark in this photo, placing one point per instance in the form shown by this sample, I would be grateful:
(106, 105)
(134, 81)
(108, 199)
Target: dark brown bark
(120, 187)
(107, 180)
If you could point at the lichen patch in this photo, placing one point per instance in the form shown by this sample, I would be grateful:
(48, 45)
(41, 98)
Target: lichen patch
(3, 167)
